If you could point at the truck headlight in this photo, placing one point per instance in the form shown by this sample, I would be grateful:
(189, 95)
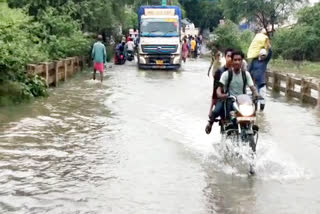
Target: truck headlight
(142, 60)
(177, 60)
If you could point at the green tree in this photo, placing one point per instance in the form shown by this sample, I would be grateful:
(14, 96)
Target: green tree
(203, 13)
(228, 35)
(310, 16)
(94, 15)
(302, 41)
(260, 11)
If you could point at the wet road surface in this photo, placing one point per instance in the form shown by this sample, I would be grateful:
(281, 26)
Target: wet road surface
(136, 144)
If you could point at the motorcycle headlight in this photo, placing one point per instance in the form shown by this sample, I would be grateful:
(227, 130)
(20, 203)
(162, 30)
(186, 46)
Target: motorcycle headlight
(246, 110)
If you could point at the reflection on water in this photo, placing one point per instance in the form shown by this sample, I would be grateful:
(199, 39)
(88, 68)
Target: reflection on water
(136, 144)
(158, 75)
(220, 192)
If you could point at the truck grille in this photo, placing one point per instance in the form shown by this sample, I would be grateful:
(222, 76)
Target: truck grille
(159, 49)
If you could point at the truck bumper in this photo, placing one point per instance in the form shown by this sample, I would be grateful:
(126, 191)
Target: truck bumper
(159, 67)
(160, 62)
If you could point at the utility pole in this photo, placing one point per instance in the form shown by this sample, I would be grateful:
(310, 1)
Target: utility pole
(164, 2)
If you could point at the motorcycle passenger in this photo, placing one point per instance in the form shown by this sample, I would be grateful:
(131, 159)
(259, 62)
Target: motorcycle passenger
(217, 62)
(216, 77)
(234, 83)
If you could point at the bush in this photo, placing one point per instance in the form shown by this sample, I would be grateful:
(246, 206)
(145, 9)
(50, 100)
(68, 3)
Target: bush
(110, 52)
(299, 43)
(61, 35)
(24, 40)
(228, 36)
(17, 48)
(12, 92)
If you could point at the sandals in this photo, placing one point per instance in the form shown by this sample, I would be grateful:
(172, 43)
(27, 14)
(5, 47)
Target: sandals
(208, 128)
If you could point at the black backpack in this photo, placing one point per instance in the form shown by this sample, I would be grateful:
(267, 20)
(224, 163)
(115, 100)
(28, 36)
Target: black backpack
(244, 79)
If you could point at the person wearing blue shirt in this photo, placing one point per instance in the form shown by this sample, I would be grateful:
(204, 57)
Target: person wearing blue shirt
(99, 57)
(258, 69)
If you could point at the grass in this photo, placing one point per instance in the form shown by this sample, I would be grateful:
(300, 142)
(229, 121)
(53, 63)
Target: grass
(300, 68)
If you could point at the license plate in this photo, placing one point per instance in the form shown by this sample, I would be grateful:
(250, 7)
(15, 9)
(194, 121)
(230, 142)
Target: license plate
(159, 62)
(246, 118)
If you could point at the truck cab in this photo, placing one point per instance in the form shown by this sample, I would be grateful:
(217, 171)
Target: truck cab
(159, 37)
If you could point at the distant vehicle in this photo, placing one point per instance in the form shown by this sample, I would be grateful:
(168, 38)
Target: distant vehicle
(159, 44)
(189, 29)
(133, 33)
(119, 58)
(192, 32)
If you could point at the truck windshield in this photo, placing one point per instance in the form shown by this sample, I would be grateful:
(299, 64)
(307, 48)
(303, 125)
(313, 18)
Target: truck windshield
(159, 27)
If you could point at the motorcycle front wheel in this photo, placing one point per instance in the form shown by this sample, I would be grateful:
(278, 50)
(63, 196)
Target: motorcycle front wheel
(252, 142)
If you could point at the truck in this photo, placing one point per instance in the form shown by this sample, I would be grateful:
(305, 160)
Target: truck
(159, 45)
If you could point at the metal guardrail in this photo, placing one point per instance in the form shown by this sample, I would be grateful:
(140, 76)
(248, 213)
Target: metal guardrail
(305, 89)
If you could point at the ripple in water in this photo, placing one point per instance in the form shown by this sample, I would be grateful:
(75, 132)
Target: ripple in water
(271, 163)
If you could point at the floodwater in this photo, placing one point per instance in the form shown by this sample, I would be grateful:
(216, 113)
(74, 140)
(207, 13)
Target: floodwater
(136, 144)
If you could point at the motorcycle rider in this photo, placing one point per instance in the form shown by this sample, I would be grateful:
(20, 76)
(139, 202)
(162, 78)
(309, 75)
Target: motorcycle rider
(130, 47)
(233, 82)
(119, 50)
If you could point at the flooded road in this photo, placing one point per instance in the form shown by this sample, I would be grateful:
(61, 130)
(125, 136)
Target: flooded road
(136, 144)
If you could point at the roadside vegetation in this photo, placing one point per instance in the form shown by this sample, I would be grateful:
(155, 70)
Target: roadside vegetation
(33, 31)
(296, 48)
(300, 68)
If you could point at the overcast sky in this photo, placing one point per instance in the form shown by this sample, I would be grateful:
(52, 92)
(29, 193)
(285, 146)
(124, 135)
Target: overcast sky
(314, 1)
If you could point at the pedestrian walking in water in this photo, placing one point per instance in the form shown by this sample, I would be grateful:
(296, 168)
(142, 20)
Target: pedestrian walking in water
(258, 69)
(193, 47)
(185, 50)
(189, 42)
(198, 45)
(99, 57)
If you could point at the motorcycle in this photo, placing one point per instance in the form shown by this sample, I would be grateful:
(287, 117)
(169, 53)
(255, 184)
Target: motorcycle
(130, 55)
(240, 126)
(119, 58)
